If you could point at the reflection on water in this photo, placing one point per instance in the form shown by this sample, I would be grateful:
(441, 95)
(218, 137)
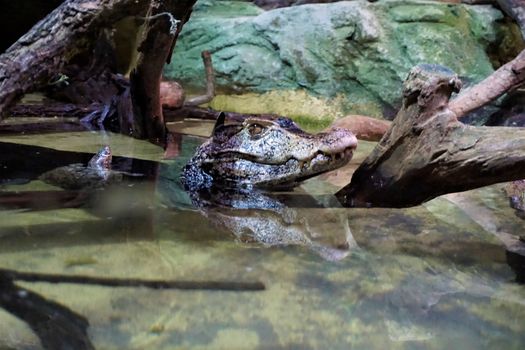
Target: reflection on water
(430, 276)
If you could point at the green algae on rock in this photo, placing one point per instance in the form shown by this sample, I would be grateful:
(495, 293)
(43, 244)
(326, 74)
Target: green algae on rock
(354, 55)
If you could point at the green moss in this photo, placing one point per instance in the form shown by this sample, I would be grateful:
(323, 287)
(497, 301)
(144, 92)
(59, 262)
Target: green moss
(311, 124)
(353, 54)
(80, 261)
(226, 8)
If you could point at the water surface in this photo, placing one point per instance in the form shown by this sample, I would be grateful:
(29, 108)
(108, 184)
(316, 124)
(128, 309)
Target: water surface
(433, 276)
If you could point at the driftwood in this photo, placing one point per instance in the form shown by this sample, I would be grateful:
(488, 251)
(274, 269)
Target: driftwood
(506, 78)
(166, 19)
(210, 83)
(132, 282)
(427, 152)
(38, 58)
(68, 47)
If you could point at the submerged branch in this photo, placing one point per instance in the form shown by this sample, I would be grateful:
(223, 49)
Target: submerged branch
(132, 282)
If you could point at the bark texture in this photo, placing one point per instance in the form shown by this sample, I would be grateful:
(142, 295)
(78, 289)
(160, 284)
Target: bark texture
(69, 51)
(427, 152)
(38, 58)
(506, 78)
(165, 23)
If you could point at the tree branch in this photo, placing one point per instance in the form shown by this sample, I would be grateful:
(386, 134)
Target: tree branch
(165, 23)
(506, 78)
(38, 57)
(210, 83)
(427, 152)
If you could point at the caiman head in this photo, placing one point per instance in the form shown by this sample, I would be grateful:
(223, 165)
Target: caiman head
(266, 152)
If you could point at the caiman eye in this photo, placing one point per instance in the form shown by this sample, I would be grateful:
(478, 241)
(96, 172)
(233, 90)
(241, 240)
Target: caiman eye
(256, 129)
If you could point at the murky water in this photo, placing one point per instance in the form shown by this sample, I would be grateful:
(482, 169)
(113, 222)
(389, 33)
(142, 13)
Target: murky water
(433, 276)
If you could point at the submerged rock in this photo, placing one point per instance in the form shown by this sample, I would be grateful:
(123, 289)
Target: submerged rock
(516, 192)
(96, 174)
(355, 52)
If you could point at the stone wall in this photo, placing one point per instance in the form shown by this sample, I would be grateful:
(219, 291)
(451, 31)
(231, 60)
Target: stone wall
(345, 57)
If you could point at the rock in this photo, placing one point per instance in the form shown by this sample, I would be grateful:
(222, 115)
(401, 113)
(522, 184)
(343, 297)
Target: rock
(511, 111)
(354, 54)
(273, 4)
(171, 94)
(364, 128)
(515, 191)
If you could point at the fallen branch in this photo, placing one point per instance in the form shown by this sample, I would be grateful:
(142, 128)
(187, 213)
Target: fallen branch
(427, 152)
(131, 282)
(69, 52)
(38, 58)
(364, 128)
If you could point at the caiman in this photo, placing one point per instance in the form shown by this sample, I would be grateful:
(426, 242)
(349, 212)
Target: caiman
(267, 152)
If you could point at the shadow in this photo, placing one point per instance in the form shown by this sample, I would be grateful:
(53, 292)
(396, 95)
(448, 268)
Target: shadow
(516, 262)
(57, 327)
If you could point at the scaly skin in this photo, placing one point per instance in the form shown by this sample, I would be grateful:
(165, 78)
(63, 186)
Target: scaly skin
(266, 152)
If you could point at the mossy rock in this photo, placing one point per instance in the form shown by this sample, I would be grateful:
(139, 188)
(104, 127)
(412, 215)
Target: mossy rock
(352, 55)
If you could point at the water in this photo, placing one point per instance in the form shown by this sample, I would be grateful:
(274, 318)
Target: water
(433, 276)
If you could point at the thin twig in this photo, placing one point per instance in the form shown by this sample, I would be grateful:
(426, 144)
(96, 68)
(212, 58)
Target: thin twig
(132, 282)
(210, 83)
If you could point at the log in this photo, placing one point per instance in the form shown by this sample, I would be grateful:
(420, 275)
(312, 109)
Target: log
(70, 47)
(427, 152)
(165, 23)
(38, 58)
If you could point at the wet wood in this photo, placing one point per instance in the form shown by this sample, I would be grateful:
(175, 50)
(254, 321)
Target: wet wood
(37, 58)
(69, 51)
(41, 127)
(53, 110)
(427, 152)
(210, 83)
(165, 20)
(506, 78)
(364, 128)
(56, 326)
